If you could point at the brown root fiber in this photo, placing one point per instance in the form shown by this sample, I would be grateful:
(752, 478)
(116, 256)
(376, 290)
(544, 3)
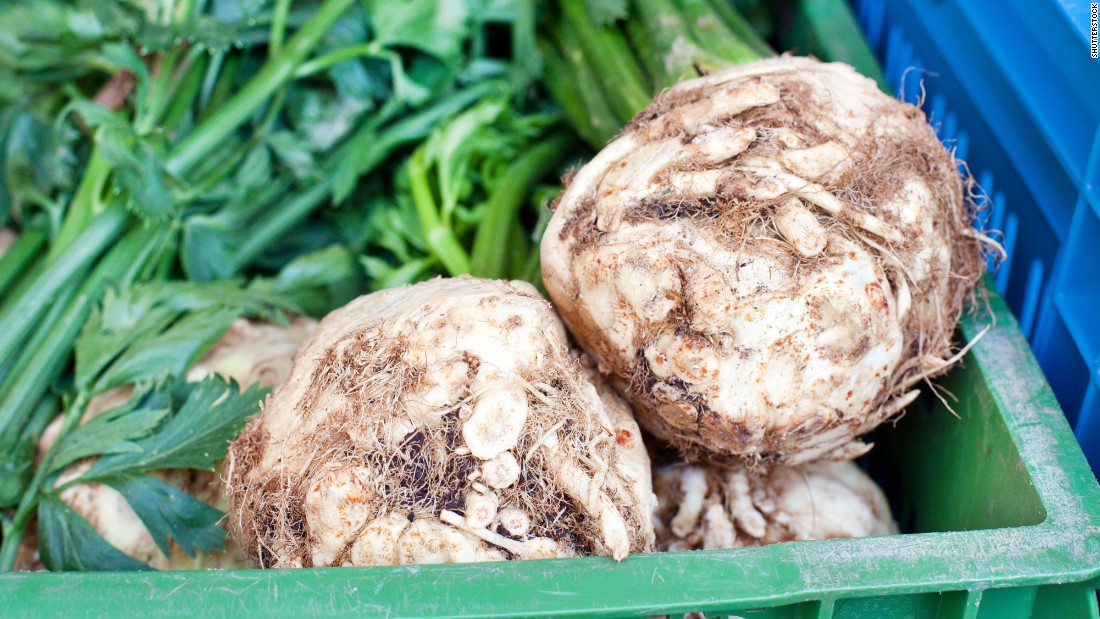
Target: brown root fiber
(767, 260)
(441, 422)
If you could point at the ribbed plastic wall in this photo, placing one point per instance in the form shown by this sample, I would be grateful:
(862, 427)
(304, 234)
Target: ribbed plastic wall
(1010, 84)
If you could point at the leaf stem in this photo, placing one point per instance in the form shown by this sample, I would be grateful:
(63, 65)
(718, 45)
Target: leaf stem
(440, 239)
(337, 56)
(740, 27)
(274, 74)
(87, 202)
(19, 317)
(13, 531)
(623, 80)
(148, 111)
(285, 216)
(489, 257)
(278, 26)
(715, 37)
(19, 256)
(580, 81)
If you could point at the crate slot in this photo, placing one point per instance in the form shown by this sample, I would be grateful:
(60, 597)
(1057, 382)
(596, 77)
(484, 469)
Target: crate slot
(898, 54)
(1010, 142)
(1030, 306)
(962, 149)
(1077, 286)
(916, 605)
(806, 610)
(1087, 428)
(936, 107)
(872, 16)
(1066, 369)
(1059, 107)
(1004, 271)
(1092, 176)
(983, 200)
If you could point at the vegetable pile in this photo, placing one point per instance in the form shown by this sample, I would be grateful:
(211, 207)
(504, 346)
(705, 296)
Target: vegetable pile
(256, 156)
(761, 266)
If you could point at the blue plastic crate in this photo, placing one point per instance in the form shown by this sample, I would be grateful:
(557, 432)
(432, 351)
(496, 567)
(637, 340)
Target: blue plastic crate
(1012, 86)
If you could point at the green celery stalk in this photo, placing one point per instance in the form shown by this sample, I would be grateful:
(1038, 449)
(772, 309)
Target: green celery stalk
(20, 256)
(440, 239)
(20, 317)
(620, 76)
(490, 254)
(14, 403)
(669, 40)
(294, 209)
(583, 84)
(740, 27)
(278, 25)
(217, 83)
(188, 91)
(289, 212)
(122, 265)
(580, 99)
(86, 202)
(638, 36)
(715, 37)
(274, 74)
(663, 31)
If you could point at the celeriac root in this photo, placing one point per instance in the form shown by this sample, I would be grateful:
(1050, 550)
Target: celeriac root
(731, 506)
(758, 254)
(442, 422)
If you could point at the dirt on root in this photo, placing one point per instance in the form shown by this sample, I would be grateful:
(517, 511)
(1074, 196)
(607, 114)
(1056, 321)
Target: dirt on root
(424, 471)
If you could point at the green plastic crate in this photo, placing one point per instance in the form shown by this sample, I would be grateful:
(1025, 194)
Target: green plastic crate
(1001, 511)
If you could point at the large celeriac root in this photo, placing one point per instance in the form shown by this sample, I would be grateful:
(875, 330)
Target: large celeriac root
(766, 260)
(248, 352)
(731, 506)
(442, 422)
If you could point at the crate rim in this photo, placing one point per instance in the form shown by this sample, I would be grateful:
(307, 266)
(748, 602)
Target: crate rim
(822, 570)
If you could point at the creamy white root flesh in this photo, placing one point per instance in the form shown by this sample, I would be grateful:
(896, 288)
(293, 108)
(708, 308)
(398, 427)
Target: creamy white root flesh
(442, 422)
(760, 254)
(731, 506)
(248, 352)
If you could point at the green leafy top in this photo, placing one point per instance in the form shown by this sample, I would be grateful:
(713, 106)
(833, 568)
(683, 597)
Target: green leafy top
(146, 141)
(171, 426)
(462, 184)
(605, 12)
(208, 415)
(151, 331)
(147, 336)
